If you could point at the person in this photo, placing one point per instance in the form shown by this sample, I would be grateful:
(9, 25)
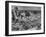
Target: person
(27, 14)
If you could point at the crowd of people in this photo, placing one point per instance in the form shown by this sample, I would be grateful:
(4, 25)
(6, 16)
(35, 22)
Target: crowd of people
(23, 19)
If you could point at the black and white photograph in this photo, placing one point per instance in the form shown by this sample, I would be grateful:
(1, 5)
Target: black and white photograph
(25, 18)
